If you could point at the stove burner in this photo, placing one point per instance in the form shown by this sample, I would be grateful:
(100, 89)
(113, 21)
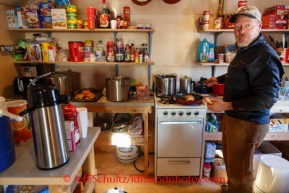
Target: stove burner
(167, 100)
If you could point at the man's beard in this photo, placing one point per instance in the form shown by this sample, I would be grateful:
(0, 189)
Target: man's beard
(244, 43)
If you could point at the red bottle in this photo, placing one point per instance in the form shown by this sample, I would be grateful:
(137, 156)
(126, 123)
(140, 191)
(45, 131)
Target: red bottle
(70, 114)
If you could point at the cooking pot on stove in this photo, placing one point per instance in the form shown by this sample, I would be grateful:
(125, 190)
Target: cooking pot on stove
(165, 84)
(186, 85)
(63, 81)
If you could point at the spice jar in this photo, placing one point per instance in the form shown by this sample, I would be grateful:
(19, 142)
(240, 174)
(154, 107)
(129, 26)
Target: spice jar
(79, 24)
(85, 24)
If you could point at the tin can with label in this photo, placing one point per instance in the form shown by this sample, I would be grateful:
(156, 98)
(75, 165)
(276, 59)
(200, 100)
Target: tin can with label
(242, 3)
(206, 15)
(221, 58)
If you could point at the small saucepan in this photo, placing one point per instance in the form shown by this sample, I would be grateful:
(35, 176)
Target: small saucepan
(181, 99)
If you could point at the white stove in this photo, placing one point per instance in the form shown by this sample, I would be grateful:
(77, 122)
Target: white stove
(179, 138)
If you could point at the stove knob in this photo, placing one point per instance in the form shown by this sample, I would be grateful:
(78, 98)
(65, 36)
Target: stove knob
(173, 113)
(196, 113)
(181, 113)
(189, 113)
(165, 113)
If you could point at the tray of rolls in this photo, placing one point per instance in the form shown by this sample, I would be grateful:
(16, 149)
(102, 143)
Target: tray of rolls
(87, 95)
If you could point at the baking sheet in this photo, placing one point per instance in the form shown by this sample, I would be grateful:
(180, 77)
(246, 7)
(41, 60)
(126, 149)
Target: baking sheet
(98, 95)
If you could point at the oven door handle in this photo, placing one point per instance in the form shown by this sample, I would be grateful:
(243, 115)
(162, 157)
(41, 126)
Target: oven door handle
(180, 123)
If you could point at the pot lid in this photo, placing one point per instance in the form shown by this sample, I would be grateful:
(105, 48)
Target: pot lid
(186, 78)
(171, 1)
(61, 74)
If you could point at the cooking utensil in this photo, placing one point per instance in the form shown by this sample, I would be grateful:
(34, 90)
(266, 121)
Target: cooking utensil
(186, 85)
(171, 1)
(181, 99)
(118, 88)
(165, 84)
(272, 41)
(64, 82)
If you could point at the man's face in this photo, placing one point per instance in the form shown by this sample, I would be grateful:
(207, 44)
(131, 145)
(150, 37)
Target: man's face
(246, 30)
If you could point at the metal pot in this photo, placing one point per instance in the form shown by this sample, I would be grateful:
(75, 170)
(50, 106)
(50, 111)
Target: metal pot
(186, 85)
(165, 84)
(63, 81)
(118, 88)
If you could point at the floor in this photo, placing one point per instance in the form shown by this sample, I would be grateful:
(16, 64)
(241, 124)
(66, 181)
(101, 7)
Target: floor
(112, 173)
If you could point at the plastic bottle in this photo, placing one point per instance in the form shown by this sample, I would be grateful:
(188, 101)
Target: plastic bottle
(100, 53)
(132, 53)
(70, 114)
(204, 55)
(203, 48)
(207, 170)
(104, 20)
(127, 53)
(211, 57)
(110, 51)
(119, 54)
(136, 56)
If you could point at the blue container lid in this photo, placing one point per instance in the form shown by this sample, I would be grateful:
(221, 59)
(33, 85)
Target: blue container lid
(27, 188)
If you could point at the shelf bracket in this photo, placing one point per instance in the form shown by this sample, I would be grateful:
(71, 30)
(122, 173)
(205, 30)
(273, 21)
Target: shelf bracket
(114, 37)
(116, 70)
(213, 70)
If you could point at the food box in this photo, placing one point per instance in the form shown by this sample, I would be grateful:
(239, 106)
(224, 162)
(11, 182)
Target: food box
(210, 150)
(32, 17)
(34, 52)
(70, 135)
(45, 14)
(142, 92)
(21, 17)
(11, 20)
(265, 148)
(59, 18)
(278, 123)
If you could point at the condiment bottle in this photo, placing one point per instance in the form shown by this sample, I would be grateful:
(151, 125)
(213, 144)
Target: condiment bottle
(70, 114)
(119, 21)
(119, 56)
(136, 56)
(110, 51)
(126, 16)
(127, 53)
(104, 19)
(132, 53)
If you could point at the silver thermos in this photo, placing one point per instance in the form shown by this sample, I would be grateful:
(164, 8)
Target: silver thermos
(47, 121)
(186, 85)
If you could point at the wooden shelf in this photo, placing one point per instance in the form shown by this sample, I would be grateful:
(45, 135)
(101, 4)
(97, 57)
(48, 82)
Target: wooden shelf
(88, 63)
(79, 30)
(271, 136)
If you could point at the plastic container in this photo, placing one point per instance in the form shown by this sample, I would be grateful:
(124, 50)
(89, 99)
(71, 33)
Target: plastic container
(211, 56)
(203, 50)
(76, 51)
(207, 170)
(7, 150)
(70, 114)
(110, 51)
(100, 52)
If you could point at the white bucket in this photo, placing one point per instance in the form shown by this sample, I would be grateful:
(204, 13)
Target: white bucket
(272, 171)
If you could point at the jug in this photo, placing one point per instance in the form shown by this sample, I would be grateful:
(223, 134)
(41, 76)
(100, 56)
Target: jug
(48, 129)
(7, 150)
(186, 85)
(201, 87)
(203, 51)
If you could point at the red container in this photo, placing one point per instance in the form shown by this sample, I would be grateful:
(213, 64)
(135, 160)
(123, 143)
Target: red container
(218, 89)
(91, 16)
(70, 114)
(76, 51)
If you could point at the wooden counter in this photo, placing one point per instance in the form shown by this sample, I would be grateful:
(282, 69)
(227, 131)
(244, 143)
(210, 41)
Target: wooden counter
(24, 171)
(131, 106)
(281, 106)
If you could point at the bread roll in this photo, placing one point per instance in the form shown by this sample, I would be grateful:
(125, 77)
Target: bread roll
(86, 91)
(189, 98)
(80, 96)
(208, 100)
(89, 96)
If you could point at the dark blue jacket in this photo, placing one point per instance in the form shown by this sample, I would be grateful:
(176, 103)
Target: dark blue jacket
(252, 82)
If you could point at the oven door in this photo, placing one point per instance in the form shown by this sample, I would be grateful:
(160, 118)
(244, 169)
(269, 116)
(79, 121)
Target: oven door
(180, 137)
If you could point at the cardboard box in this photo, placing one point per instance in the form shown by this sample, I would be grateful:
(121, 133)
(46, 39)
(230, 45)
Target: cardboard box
(278, 123)
(11, 18)
(265, 148)
(219, 171)
(32, 17)
(59, 18)
(69, 128)
(45, 14)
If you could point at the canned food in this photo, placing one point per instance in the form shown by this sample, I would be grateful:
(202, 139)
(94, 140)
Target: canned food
(71, 8)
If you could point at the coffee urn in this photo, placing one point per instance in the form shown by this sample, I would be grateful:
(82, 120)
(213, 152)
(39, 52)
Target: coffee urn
(47, 121)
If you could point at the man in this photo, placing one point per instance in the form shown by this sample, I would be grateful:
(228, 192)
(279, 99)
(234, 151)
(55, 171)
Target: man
(251, 88)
